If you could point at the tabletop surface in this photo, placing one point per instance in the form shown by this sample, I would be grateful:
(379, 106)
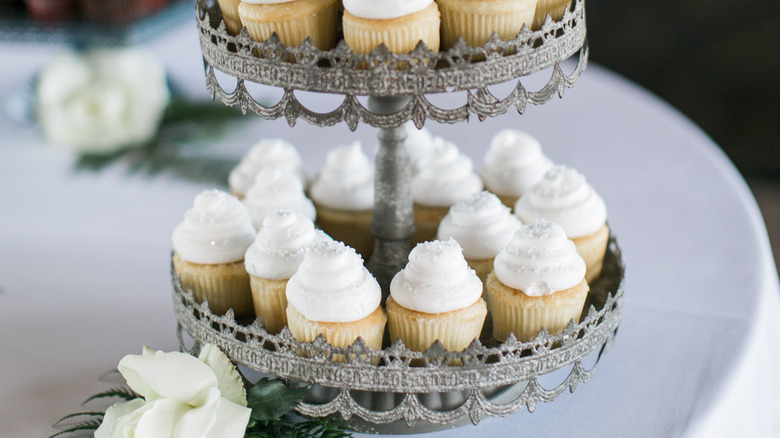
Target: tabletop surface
(84, 259)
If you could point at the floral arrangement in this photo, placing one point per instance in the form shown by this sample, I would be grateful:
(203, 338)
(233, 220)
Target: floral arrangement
(174, 394)
(107, 104)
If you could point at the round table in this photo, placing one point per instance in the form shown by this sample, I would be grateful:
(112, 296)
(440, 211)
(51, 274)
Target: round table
(84, 257)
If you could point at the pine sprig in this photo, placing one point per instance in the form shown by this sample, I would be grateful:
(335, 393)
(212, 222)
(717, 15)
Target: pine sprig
(125, 394)
(292, 425)
(88, 425)
(79, 414)
(273, 416)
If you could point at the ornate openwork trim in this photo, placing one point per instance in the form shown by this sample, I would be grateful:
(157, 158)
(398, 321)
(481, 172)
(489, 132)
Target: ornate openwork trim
(381, 73)
(480, 102)
(396, 368)
(492, 380)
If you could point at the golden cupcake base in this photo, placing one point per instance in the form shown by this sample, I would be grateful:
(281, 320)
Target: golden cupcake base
(553, 8)
(525, 316)
(270, 302)
(476, 20)
(225, 285)
(293, 21)
(427, 219)
(592, 248)
(230, 14)
(353, 227)
(339, 334)
(399, 35)
(455, 330)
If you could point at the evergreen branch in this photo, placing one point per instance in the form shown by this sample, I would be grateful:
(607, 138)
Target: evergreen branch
(78, 414)
(90, 425)
(123, 393)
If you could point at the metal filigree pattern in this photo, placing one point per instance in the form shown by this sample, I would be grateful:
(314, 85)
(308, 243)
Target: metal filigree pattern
(381, 73)
(435, 387)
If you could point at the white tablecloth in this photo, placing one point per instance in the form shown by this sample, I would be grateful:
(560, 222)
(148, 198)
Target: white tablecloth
(84, 262)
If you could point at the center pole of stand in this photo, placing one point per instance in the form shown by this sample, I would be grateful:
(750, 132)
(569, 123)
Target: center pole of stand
(393, 222)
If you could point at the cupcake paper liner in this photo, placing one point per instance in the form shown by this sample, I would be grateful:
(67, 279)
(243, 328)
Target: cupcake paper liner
(455, 330)
(270, 302)
(555, 8)
(476, 20)
(230, 14)
(592, 249)
(353, 227)
(293, 21)
(400, 35)
(515, 312)
(339, 334)
(225, 285)
(427, 219)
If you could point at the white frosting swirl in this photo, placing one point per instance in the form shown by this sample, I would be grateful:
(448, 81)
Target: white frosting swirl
(513, 163)
(280, 245)
(332, 285)
(268, 152)
(446, 177)
(346, 181)
(217, 229)
(540, 260)
(276, 189)
(481, 224)
(418, 144)
(564, 197)
(437, 279)
(384, 9)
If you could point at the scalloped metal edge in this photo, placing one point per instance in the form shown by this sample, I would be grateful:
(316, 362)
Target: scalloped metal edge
(512, 371)
(342, 75)
(382, 73)
(480, 102)
(482, 367)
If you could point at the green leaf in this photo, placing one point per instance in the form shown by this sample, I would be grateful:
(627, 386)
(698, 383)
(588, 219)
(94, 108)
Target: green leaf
(271, 399)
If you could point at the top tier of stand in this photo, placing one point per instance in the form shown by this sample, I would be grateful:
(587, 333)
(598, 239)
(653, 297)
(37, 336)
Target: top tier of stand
(384, 74)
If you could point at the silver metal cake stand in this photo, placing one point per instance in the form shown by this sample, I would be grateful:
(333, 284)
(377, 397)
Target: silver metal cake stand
(395, 389)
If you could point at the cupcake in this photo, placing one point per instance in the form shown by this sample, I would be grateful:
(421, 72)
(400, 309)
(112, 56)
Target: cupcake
(554, 8)
(436, 296)
(209, 247)
(291, 20)
(343, 194)
(564, 197)
(276, 189)
(398, 24)
(446, 177)
(482, 226)
(270, 152)
(229, 10)
(334, 294)
(418, 144)
(476, 20)
(273, 258)
(513, 163)
(538, 281)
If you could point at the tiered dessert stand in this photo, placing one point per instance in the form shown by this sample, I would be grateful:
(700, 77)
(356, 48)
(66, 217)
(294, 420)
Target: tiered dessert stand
(396, 390)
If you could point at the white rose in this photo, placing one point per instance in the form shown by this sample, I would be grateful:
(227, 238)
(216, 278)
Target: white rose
(183, 396)
(102, 100)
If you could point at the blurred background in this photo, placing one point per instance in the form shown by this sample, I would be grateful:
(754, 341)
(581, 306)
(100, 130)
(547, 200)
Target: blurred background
(717, 62)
